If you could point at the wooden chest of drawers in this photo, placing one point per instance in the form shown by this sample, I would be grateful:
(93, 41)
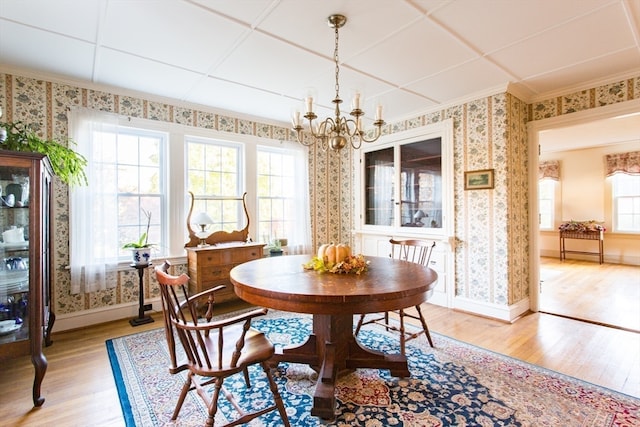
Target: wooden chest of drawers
(210, 266)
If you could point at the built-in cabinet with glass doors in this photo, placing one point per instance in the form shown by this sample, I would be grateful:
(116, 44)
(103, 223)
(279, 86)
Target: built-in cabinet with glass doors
(406, 184)
(25, 251)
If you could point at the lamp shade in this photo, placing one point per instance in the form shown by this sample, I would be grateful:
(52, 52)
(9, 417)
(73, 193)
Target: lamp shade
(202, 219)
(419, 215)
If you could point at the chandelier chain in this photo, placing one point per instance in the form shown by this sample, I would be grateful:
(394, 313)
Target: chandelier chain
(337, 61)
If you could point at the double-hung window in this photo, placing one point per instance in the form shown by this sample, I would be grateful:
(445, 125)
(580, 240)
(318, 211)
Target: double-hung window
(137, 166)
(127, 186)
(625, 190)
(546, 203)
(215, 177)
(276, 185)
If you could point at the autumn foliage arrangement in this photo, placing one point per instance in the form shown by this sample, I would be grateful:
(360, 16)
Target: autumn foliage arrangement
(337, 259)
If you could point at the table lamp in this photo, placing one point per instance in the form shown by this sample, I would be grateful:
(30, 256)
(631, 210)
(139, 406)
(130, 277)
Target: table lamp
(202, 220)
(417, 217)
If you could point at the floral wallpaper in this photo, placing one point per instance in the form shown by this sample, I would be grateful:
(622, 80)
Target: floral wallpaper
(491, 226)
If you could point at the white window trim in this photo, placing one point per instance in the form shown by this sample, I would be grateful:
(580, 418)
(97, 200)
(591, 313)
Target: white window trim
(178, 197)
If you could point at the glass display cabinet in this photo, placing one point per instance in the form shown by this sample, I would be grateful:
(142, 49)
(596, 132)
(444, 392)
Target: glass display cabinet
(406, 191)
(25, 251)
(414, 201)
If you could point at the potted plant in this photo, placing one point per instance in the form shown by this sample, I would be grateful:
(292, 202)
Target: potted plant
(67, 164)
(141, 249)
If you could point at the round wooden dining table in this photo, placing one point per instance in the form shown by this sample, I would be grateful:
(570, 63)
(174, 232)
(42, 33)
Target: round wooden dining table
(281, 283)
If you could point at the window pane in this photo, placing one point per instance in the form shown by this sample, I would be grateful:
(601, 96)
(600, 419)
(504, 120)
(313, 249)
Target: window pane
(213, 170)
(135, 181)
(275, 171)
(626, 202)
(546, 203)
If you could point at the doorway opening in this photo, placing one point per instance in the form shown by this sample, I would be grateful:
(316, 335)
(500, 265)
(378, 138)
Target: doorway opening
(580, 288)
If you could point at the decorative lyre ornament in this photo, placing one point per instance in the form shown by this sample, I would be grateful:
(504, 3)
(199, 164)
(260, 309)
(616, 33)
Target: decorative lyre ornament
(336, 132)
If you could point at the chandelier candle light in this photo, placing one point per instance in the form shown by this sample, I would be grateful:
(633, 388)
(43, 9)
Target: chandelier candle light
(336, 132)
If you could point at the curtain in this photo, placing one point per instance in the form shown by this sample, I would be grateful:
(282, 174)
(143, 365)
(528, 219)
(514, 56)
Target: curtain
(300, 239)
(628, 163)
(93, 226)
(549, 169)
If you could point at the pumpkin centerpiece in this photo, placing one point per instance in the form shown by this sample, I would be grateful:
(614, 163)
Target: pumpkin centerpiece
(336, 258)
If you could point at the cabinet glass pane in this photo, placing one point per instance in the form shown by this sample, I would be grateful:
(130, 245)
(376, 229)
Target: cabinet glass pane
(421, 184)
(14, 254)
(379, 194)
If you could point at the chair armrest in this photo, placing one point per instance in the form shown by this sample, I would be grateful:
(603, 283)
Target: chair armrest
(221, 323)
(205, 293)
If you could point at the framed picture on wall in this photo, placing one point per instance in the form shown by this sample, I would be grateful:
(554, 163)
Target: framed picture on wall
(478, 180)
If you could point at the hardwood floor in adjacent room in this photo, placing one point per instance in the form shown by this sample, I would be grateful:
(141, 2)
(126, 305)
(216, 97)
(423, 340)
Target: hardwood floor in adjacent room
(608, 294)
(80, 391)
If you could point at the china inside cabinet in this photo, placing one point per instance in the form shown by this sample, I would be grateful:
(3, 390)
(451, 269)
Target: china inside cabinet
(25, 251)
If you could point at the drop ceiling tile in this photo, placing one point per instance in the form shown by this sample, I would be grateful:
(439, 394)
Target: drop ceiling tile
(368, 23)
(400, 104)
(246, 11)
(627, 59)
(178, 33)
(589, 37)
(240, 99)
(48, 52)
(139, 74)
(422, 49)
(491, 25)
(60, 16)
(455, 83)
(264, 62)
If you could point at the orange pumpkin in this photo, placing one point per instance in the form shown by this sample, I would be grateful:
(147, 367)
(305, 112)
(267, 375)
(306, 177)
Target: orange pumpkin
(342, 252)
(333, 254)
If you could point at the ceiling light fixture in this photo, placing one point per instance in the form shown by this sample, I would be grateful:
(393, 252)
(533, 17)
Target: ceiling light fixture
(336, 132)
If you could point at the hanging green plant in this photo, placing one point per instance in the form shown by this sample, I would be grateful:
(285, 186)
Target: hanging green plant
(67, 164)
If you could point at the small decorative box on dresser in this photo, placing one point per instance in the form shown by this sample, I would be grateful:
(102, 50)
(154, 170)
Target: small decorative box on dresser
(209, 266)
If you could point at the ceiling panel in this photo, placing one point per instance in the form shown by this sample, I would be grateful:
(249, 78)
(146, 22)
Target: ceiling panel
(485, 75)
(410, 54)
(55, 53)
(195, 41)
(493, 25)
(592, 36)
(233, 97)
(585, 72)
(60, 16)
(421, 49)
(254, 64)
(139, 74)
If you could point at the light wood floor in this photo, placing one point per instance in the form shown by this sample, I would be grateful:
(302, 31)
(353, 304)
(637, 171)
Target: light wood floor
(80, 391)
(608, 294)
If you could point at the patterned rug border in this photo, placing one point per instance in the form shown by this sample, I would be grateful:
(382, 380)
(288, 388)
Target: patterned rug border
(601, 404)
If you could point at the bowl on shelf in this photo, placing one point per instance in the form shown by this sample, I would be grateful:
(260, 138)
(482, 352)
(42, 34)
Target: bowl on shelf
(9, 326)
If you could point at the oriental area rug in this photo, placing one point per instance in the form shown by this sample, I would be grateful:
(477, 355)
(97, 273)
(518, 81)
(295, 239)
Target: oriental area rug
(453, 384)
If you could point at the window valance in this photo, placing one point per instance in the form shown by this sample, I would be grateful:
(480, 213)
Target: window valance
(549, 169)
(628, 163)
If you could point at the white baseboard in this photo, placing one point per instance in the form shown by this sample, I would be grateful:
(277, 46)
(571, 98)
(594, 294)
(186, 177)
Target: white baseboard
(495, 311)
(81, 319)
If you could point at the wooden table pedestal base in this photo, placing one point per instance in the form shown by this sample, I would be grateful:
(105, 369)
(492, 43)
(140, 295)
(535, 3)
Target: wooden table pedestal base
(332, 351)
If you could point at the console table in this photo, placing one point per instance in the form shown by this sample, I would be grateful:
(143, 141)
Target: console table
(582, 235)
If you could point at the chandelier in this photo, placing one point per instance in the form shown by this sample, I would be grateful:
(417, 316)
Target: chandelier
(336, 132)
